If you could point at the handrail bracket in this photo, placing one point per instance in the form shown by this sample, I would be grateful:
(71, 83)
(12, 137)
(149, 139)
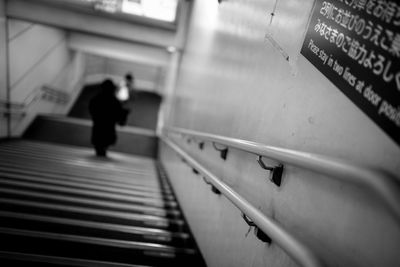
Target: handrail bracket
(201, 145)
(223, 151)
(276, 172)
(213, 188)
(257, 231)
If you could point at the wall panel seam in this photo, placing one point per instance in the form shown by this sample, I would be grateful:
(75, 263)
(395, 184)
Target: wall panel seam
(20, 33)
(41, 59)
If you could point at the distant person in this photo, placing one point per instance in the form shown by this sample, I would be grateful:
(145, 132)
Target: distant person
(126, 91)
(106, 112)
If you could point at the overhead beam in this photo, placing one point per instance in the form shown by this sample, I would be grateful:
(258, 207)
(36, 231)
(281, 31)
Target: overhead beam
(75, 20)
(118, 49)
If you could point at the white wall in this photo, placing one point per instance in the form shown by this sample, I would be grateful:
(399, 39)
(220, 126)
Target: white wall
(3, 68)
(39, 56)
(169, 83)
(3, 52)
(235, 83)
(148, 77)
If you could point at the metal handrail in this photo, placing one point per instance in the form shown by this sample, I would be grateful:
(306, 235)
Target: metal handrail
(7, 103)
(55, 95)
(7, 113)
(11, 108)
(298, 251)
(385, 185)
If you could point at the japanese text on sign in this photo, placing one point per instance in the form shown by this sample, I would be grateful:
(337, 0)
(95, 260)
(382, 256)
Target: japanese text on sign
(359, 41)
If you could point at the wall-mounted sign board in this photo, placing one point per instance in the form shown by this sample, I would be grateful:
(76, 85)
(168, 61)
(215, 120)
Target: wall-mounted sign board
(356, 45)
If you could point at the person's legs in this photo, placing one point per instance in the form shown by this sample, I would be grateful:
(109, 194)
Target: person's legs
(101, 151)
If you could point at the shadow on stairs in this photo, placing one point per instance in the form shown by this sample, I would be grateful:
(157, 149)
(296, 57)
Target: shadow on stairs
(61, 206)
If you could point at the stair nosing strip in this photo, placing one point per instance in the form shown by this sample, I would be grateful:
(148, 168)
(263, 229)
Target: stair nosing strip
(98, 225)
(102, 195)
(73, 184)
(99, 212)
(63, 260)
(96, 241)
(100, 203)
(82, 165)
(125, 181)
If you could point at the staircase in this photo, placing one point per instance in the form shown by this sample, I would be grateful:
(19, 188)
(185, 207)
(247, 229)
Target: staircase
(62, 206)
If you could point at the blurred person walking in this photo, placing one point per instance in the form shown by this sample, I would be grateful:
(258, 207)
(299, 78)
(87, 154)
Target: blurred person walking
(106, 112)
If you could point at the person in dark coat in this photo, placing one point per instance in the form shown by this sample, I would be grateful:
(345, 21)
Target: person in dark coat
(106, 112)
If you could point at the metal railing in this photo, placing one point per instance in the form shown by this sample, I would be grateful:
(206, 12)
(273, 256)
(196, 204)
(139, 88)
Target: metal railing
(45, 92)
(9, 109)
(383, 184)
(298, 251)
(55, 95)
